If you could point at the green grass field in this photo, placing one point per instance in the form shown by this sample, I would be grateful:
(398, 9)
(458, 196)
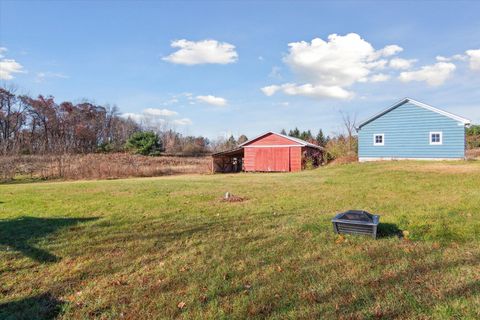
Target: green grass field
(169, 247)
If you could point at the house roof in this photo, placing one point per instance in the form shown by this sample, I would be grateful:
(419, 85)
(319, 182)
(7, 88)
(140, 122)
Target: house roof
(418, 104)
(299, 141)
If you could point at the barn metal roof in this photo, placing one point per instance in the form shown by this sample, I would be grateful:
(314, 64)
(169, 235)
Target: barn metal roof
(418, 104)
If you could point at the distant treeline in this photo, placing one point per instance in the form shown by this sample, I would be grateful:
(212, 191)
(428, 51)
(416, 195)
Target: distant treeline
(40, 125)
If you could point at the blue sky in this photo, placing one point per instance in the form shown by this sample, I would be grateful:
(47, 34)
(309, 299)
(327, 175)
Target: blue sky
(212, 68)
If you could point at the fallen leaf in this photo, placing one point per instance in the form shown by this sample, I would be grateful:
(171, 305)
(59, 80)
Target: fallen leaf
(181, 305)
(340, 239)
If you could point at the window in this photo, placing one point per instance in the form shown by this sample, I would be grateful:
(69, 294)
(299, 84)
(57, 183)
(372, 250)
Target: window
(436, 138)
(378, 139)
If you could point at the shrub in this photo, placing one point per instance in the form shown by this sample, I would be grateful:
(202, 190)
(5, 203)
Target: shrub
(342, 149)
(145, 143)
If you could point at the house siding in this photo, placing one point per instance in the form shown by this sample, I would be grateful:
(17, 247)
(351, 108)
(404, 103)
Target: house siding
(406, 132)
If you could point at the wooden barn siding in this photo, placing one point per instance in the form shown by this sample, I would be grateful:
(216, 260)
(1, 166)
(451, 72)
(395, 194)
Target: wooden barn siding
(407, 133)
(296, 158)
(271, 139)
(273, 159)
(249, 159)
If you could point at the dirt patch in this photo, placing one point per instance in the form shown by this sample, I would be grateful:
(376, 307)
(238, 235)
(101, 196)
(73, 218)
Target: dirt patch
(232, 198)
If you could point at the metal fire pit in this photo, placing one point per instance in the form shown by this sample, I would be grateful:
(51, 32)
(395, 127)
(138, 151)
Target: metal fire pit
(356, 222)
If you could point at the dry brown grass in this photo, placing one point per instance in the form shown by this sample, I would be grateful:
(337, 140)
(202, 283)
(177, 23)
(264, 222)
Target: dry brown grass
(350, 158)
(473, 154)
(453, 167)
(98, 166)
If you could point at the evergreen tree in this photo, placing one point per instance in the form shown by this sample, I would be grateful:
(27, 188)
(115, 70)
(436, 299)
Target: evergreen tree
(144, 142)
(243, 138)
(231, 143)
(306, 135)
(283, 132)
(321, 140)
(294, 133)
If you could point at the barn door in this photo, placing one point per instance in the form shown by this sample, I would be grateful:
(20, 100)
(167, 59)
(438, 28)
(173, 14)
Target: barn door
(272, 159)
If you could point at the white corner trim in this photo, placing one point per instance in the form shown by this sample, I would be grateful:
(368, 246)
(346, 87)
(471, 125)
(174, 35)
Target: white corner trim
(439, 143)
(375, 143)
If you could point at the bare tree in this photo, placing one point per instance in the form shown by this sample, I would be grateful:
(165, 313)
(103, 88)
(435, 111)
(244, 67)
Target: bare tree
(12, 119)
(349, 124)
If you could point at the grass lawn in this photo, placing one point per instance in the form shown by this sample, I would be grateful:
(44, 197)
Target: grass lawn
(170, 248)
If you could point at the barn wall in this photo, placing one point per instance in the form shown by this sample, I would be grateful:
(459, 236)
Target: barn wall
(273, 153)
(273, 159)
(296, 158)
(271, 139)
(249, 159)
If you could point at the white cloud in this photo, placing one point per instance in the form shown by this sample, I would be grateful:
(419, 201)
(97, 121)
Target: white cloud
(137, 117)
(42, 76)
(474, 57)
(308, 90)
(159, 112)
(212, 100)
(389, 51)
(270, 90)
(275, 73)
(154, 117)
(458, 57)
(201, 52)
(8, 67)
(380, 77)
(182, 122)
(339, 61)
(433, 75)
(402, 64)
(328, 68)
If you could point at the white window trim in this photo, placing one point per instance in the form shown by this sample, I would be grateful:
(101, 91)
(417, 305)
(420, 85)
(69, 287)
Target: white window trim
(435, 143)
(375, 140)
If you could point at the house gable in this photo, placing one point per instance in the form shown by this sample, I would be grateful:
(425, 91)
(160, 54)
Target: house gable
(444, 113)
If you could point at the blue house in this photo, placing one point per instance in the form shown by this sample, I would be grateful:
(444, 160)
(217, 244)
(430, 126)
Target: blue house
(412, 130)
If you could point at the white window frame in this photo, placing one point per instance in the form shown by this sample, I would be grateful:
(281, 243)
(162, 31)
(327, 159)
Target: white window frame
(440, 133)
(375, 135)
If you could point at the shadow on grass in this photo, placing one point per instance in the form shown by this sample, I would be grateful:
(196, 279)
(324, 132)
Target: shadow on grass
(388, 230)
(17, 234)
(44, 306)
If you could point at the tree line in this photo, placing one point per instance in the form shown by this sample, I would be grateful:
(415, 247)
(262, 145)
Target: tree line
(43, 126)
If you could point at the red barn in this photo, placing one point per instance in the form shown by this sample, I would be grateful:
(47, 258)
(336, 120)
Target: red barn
(267, 153)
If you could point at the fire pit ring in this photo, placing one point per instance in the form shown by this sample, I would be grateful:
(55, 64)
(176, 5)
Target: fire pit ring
(356, 222)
